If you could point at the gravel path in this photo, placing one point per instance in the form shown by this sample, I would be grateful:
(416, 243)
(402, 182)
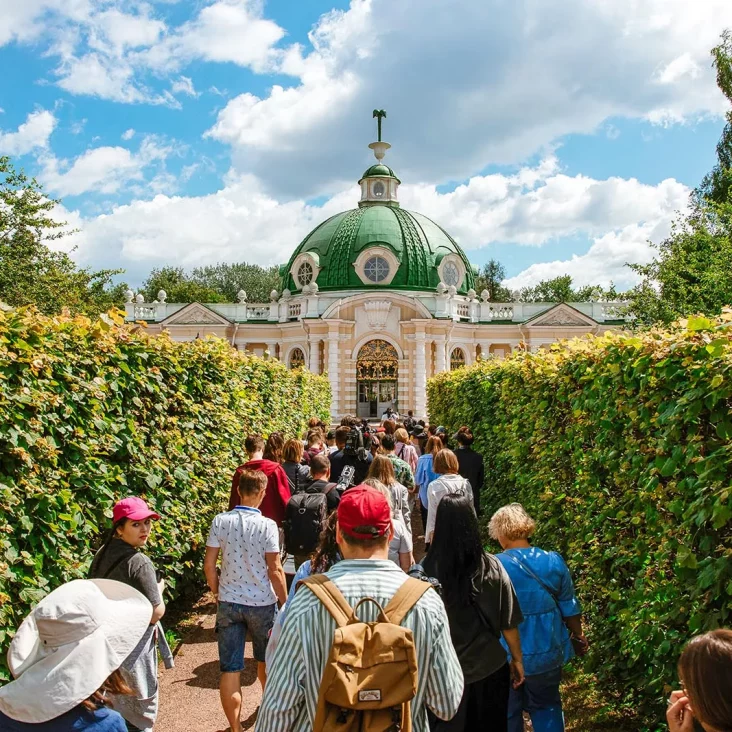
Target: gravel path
(189, 693)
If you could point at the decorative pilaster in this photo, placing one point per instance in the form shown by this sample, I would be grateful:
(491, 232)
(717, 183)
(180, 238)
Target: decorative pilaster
(420, 375)
(314, 365)
(440, 355)
(333, 372)
(272, 348)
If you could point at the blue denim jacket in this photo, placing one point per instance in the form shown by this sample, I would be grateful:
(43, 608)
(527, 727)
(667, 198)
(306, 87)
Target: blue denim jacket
(544, 636)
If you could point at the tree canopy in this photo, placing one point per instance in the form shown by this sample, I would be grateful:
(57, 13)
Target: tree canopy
(490, 278)
(32, 272)
(213, 283)
(691, 271)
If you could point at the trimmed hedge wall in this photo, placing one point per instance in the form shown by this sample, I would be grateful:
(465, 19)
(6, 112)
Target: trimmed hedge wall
(621, 447)
(92, 411)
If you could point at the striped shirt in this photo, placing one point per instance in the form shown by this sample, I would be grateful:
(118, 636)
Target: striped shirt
(293, 681)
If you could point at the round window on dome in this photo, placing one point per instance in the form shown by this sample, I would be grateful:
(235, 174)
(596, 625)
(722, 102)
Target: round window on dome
(379, 189)
(305, 274)
(376, 269)
(451, 274)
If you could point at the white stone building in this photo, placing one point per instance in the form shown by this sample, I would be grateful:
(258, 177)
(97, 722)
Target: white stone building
(381, 299)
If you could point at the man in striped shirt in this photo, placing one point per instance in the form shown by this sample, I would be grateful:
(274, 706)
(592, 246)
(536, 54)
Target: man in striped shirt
(363, 533)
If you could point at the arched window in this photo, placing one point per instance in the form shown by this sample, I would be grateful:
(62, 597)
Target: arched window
(457, 359)
(297, 359)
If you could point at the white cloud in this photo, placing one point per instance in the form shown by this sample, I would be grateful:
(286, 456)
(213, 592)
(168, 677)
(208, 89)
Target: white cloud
(224, 31)
(128, 134)
(33, 134)
(184, 85)
(468, 84)
(605, 261)
(102, 169)
(128, 31)
(531, 207)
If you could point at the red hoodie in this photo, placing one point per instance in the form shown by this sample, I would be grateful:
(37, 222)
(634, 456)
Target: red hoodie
(278, 488)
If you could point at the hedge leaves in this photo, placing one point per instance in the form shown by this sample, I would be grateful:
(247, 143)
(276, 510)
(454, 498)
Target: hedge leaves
(621, 447)
(93, 411)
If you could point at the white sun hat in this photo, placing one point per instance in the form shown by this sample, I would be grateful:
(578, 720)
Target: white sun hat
(69, 644)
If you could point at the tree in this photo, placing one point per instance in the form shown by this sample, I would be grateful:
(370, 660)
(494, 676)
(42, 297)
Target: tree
(227, 279)
(692, 271)
(717, 184)
(31, 273)
(490, 278)
(178, 286)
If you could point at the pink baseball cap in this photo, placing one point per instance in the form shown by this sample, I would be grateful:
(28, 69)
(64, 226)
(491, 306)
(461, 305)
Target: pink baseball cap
(132, 508)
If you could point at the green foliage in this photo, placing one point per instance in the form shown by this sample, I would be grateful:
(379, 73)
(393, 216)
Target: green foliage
(490, 278)
(213, 283)
(92, 411)
(560, 289)
(30, 271)
(691, 272)
(178, 286)
(621, 447)
(717, 185)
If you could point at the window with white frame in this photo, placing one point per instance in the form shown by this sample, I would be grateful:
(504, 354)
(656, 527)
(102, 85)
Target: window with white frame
(376, 269)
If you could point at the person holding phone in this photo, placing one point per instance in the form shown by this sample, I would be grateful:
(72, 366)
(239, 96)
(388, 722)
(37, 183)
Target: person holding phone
(705, 671)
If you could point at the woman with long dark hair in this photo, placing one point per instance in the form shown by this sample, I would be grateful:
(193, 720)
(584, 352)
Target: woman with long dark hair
(481, 607)
(120, 559)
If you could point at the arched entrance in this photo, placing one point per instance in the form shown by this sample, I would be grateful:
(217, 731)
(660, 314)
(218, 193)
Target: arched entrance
(377, 368)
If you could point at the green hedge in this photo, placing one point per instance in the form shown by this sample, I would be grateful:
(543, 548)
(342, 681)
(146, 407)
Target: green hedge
(621, 447)
(92, 411)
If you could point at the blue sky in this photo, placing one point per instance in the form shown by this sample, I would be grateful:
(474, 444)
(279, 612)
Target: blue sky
(557, 138)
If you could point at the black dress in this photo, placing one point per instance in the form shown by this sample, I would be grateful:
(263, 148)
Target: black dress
(471, 467)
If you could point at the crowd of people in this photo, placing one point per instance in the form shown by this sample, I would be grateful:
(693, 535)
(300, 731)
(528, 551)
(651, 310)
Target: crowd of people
(362, 637)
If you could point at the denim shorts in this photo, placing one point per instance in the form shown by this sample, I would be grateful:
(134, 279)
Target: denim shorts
(232, 623)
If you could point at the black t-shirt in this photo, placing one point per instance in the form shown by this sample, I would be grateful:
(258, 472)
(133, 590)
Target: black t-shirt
(475, 627)
(331, 494)
(471, 467)
(338, 460)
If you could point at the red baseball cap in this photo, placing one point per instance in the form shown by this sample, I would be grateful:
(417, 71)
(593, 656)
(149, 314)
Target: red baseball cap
(132, 508)
(361, 507)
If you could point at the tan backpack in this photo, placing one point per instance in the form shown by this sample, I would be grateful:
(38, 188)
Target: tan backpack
(370, 677)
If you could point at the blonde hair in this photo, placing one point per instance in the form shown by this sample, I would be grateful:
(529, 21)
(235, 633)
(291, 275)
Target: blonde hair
(511, 522)
(401, 435)
(382, 469)
(445, 462)
(377, 485)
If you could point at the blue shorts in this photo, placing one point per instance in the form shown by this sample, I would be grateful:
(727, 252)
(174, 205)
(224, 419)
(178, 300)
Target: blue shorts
(232, 623)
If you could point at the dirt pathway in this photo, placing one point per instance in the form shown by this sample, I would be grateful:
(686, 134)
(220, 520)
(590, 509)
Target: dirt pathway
(189, 696)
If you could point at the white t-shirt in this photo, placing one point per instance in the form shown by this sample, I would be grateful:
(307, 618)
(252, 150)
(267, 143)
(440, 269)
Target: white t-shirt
(436, 491)
(244, 536)
(401, 542)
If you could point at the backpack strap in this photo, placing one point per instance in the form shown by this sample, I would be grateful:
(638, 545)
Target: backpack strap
(330, 596)
(405, 598)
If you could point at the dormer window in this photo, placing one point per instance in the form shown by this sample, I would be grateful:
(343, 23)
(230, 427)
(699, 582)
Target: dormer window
(376, 269)
(305, 270)
(305, 273)
(451, 271)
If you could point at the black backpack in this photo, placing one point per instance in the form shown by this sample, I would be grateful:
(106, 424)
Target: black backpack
(305, 516)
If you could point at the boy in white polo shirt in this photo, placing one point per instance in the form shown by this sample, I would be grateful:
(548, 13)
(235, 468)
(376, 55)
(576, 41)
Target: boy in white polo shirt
(251, 586)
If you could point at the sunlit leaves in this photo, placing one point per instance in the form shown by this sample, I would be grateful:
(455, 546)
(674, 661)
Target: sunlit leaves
(621, 448)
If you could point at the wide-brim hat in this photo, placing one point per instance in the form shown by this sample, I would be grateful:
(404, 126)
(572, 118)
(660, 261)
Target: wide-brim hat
(69, 645)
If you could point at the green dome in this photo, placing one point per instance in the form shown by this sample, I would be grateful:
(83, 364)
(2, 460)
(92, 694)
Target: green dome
(379, 170)
(418, 244)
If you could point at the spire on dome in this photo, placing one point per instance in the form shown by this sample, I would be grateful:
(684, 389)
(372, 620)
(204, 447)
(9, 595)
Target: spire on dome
(379, 183)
